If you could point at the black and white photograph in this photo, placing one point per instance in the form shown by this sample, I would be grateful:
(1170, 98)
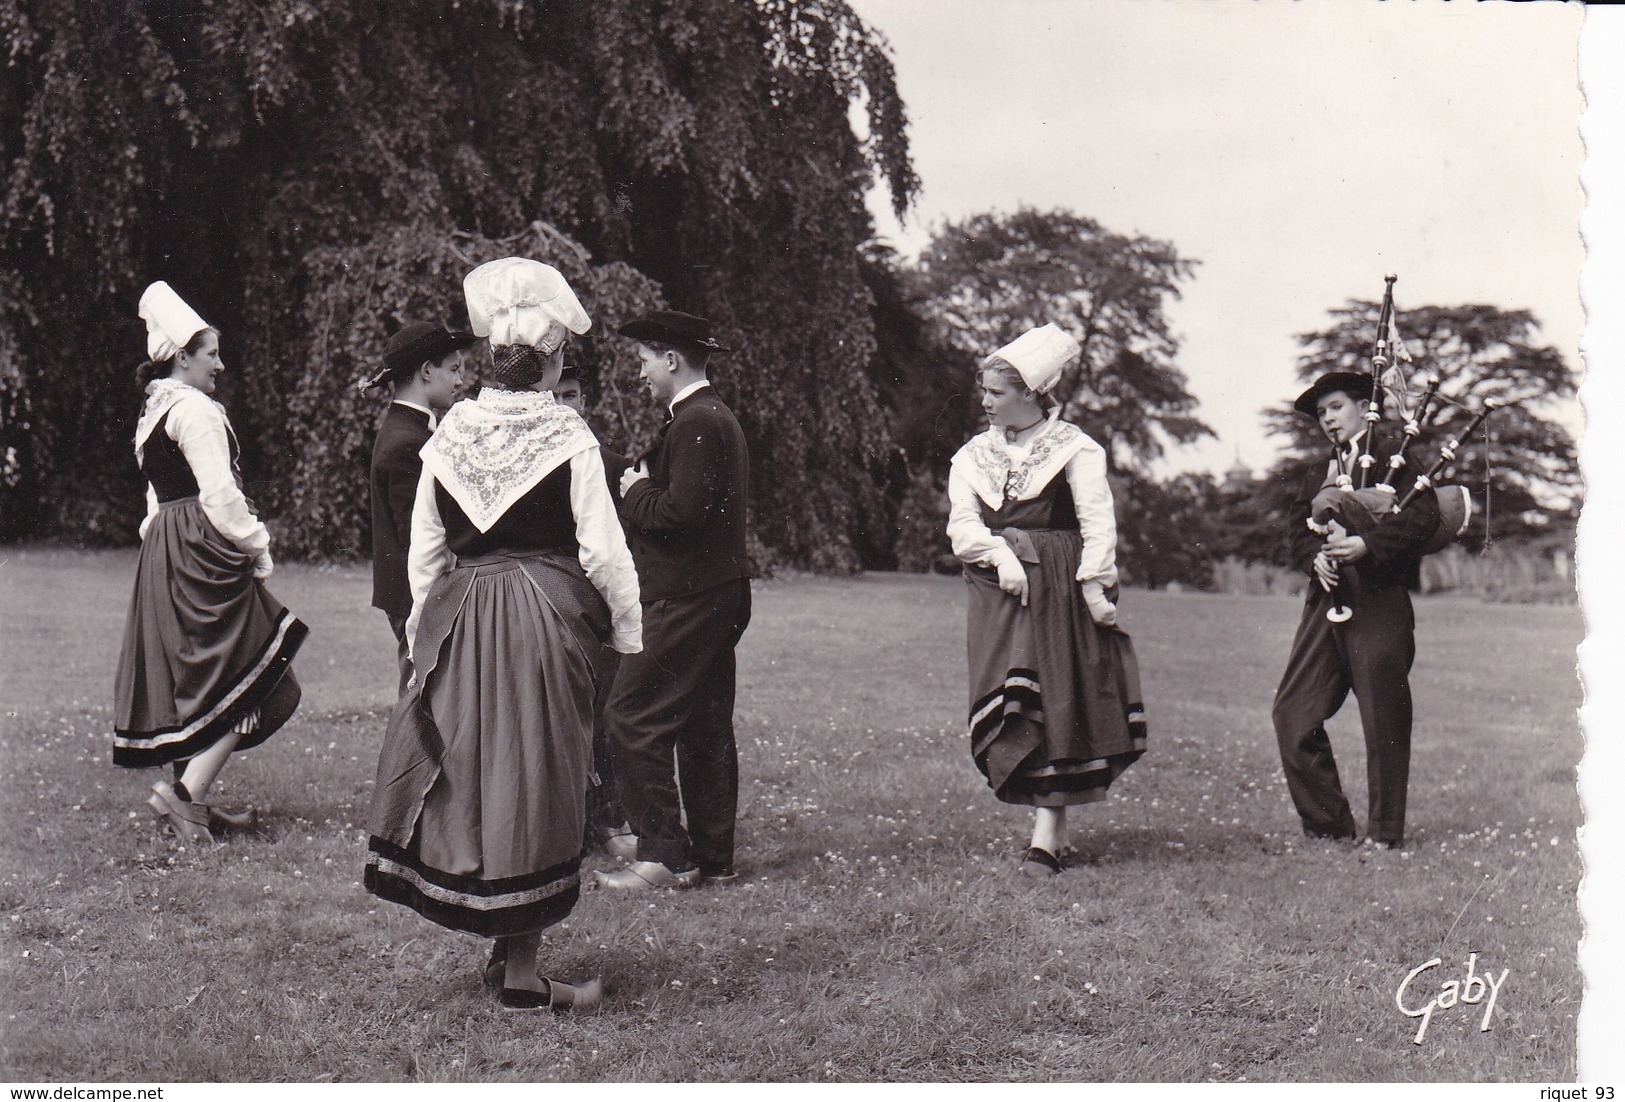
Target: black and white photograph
(818, 542)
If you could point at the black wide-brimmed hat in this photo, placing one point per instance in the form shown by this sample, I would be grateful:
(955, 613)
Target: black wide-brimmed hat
(420, 341)
(672, 327)
(413, 346)
(1356, 385)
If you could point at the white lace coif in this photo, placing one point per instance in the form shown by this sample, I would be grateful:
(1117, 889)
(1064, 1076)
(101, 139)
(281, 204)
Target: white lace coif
(171, 323)
(517, 300)
(1039, 355)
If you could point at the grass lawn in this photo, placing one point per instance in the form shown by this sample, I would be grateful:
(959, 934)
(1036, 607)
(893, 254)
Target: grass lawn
(878, 933)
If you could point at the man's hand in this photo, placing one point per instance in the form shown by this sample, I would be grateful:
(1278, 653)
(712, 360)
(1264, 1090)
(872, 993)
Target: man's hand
(1013, 579)
(1325, 570)
(632, 475)
(1343, 549)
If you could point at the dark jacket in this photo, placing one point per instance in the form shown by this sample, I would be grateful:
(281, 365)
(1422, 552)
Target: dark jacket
(615, 465)
(395, 471)
(686, 521)
(1394, 541)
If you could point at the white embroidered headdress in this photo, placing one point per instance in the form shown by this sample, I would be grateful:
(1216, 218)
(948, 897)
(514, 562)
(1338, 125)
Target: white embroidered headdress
(516, 300)
(1039, 356)
(170, 322)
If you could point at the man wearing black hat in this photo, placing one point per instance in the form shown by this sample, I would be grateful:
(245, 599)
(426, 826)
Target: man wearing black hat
(1373, 564)
(424, 364)
(670, 715)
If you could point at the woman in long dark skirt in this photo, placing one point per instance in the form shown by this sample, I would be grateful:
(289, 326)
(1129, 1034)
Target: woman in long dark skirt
(1055, 707)
(520, 576)
(205, 666)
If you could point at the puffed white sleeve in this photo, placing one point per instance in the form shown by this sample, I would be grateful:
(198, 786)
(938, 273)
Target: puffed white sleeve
(199, 427)
(1097, 520)
(604, 554)
(152, 511)
(972, 541)
(428, 557)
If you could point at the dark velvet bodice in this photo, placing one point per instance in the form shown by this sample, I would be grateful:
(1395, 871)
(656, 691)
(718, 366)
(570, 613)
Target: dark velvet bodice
(163, 465)
(1051, 507)
(542, 520)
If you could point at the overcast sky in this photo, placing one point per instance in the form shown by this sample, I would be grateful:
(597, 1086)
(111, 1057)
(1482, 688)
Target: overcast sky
(1299, 151)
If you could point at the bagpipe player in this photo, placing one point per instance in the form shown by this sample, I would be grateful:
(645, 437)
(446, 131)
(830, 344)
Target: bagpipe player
(1362, 558)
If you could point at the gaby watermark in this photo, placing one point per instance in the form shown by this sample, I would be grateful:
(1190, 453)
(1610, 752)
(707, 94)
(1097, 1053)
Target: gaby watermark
(1470, 990)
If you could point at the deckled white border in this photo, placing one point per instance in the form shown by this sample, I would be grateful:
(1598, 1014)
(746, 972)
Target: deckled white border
(1599, 564)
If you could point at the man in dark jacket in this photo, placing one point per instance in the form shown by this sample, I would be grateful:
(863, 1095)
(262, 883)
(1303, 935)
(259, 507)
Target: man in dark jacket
(670, 715)
(1372, 563)
(423, 364)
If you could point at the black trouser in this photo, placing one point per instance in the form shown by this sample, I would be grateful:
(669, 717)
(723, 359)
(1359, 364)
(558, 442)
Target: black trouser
(1370, 653)
(397, 624)
(670, 721)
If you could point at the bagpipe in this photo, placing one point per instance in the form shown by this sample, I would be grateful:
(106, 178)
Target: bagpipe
(1352, 501)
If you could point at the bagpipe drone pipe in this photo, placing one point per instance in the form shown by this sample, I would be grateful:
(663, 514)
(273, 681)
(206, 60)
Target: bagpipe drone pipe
(1352, 502)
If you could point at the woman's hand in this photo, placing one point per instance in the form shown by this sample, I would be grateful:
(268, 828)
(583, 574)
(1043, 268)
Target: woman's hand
(1013, 578)
(1101, 611)
(262, 565)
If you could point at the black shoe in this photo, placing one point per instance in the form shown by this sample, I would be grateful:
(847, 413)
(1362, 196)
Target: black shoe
(1040, 864)
(582, 998)
(497, 966)
(718, 874)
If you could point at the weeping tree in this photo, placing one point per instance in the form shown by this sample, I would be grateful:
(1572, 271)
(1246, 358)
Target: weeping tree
(1521, 463)
(312, 175)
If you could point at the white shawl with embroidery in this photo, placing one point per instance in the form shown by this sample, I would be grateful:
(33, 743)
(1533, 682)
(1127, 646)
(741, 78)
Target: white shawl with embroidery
(989, 471)
(1001, 472)
(162, 394)
(490, 452)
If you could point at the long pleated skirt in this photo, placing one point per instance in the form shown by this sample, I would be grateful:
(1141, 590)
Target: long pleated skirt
(480, 799)
(206, 646)
(1055, 707)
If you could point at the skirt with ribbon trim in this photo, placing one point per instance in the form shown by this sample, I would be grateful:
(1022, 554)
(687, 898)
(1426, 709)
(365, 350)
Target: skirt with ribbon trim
(480, 799)
(1056, 713)
(207, 648)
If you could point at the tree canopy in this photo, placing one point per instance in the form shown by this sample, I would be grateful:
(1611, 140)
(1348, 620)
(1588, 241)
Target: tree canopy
(312, 175)
(1523, 455)
(989, 278)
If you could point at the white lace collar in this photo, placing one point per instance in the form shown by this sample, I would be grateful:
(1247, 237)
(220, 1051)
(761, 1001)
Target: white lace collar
(490, 452)
(162, 394)
(1001, 472)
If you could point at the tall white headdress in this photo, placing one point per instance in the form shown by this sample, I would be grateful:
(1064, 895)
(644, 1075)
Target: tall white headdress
(171, 324)
(1039, 356)
(516, 300)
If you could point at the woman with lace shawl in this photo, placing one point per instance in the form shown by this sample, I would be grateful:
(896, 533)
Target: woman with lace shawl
(1055, 711)
(519, 574)
(204, 670)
